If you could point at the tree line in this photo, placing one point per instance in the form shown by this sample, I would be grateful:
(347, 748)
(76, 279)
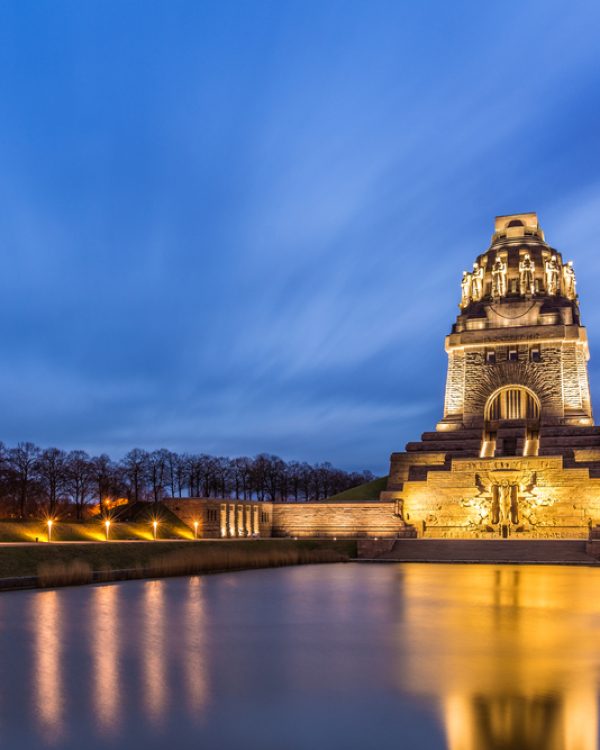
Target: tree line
(37, 482)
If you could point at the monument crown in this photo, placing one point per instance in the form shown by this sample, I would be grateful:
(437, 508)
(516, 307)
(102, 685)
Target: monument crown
(518, 264)
(517, 225)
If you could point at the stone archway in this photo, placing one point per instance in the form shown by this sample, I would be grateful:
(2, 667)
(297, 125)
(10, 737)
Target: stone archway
(512, 402)
(511, 422)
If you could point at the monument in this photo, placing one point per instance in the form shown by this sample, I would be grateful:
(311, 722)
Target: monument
(516, 453)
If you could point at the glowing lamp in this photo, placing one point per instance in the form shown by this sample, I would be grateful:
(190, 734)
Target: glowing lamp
(107, 526)
(154, 527)
(195, 529)
(50, 522)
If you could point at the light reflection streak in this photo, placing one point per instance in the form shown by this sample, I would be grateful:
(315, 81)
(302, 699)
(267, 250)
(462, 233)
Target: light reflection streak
(48, 640)
(194, 652)
(104, 634)
(153, 656)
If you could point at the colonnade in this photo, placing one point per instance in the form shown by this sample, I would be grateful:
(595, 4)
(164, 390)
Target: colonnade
(240, 519)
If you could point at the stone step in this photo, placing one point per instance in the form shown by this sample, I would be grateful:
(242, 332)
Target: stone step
(457, 446)
(489, 551)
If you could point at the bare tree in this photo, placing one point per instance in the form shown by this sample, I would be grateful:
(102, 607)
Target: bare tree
(79, 480)
(156, 467)
(134, 465)
(107, 479)
(22, 460)
(50, 468)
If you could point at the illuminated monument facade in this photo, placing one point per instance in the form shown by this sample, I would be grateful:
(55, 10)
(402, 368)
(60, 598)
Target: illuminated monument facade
(516, 453)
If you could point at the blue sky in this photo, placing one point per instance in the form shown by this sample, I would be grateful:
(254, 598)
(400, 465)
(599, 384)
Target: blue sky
(237, 227)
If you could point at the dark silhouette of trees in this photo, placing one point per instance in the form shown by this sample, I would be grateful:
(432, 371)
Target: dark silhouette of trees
(50, 468)
(79, 477)
(52, 482)
(22, 461)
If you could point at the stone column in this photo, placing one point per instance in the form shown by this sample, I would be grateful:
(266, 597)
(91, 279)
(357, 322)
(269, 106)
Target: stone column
(231, 519)
(223, 519)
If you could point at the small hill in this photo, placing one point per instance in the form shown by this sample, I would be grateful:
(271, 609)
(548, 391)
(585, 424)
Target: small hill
(368, 491)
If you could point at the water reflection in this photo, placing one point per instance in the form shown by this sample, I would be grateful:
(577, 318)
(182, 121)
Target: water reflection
(153, 657)
(511, 654)
(105, 639)
(48, 645)
(194, 652)
(446, 657)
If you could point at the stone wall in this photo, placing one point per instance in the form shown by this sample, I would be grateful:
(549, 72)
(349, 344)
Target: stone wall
(554, 502)
(323, 519)
(455, 385)
(218, 519)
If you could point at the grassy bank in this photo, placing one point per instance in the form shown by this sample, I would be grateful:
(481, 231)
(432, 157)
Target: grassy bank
(92, 531)
(58, 564)
(363, 493)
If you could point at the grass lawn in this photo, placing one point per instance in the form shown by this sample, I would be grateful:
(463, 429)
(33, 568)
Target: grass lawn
(365, 492)
(25, 560)
(92, 531)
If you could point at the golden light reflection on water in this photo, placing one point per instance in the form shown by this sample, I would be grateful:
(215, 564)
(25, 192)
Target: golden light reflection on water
(510, 654)
(104, 634)
(48, 640)
(194, 652)
(153, 658)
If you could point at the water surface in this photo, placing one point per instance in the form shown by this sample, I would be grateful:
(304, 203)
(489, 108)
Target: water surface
(335, 656)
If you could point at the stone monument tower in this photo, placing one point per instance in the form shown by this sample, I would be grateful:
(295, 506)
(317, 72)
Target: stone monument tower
(516, 452)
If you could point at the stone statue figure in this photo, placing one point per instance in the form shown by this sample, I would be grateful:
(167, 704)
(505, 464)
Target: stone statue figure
(504, 503)
(499, 278)
(477, 282)
(505, 506)
(569, 281)
(466, 285)
(527, 275)
(551, 273)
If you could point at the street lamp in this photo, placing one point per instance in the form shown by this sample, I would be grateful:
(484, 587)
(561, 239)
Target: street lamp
(107, 525)
(154, 527)
(195, 529)
(50, 522)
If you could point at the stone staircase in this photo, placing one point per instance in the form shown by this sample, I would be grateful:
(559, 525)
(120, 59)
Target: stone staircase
(564, 552)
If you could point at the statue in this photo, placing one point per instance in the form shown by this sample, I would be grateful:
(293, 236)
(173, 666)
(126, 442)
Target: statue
(499, 278)
(551, 272)
(527, 275)
(503, 503)
(466, 286)
(477, 282)
(569, 281)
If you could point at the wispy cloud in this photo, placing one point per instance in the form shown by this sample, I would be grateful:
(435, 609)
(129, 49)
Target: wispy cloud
(244, 230)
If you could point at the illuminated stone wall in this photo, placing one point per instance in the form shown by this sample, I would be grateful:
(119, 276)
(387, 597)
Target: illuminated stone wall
(230, 518)
(553, 502)
(324, 519)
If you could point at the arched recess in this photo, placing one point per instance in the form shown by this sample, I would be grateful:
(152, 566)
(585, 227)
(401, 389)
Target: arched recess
(512, 402)
(508, 404)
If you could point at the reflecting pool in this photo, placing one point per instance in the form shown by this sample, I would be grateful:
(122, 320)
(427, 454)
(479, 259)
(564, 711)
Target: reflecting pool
(463, 657)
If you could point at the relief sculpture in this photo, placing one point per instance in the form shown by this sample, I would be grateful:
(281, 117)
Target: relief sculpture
(506, 505)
